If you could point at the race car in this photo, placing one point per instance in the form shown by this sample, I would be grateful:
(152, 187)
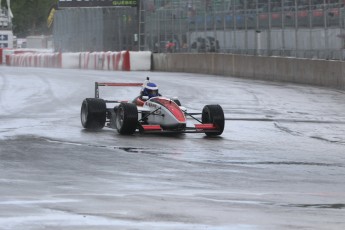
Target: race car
(156, 115)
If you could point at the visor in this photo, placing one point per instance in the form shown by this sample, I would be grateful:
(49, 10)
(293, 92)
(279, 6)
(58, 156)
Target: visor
(152, 93)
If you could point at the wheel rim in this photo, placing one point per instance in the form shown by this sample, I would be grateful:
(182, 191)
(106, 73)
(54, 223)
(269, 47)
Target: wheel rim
(84, 114)
(119, 118)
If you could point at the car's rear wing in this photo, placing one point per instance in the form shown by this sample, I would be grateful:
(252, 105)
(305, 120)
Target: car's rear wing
(123, 84)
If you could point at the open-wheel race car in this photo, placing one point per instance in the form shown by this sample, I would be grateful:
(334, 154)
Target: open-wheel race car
(155, 114)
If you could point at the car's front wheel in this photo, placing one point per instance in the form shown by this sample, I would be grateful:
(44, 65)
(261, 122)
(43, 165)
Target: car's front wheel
(213, 114)
(126, 118)
(93, 113)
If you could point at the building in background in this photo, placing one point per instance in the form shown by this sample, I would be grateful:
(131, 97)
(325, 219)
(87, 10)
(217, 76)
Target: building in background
(6, 34)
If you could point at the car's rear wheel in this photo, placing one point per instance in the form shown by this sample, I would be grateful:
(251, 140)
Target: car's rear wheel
(126, 118)
(93, 113)
(213, 114)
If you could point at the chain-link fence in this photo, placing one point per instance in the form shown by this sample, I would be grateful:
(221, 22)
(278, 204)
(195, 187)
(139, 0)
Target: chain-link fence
(298, 28)
(96, 29)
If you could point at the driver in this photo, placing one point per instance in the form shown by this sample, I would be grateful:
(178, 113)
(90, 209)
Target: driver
(148, 90)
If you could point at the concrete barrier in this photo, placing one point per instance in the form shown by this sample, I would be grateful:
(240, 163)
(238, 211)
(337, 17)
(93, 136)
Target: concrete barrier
(140, 60)
(324, 73)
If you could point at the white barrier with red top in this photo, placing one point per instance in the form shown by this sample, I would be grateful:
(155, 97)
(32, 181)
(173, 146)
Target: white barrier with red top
(116, 61)
(105, 60)
(51, 60)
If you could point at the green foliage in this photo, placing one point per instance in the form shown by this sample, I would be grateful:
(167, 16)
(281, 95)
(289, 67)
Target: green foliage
(30, 16)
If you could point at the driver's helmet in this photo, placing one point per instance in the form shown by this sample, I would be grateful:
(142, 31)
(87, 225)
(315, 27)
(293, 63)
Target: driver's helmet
(150, 90)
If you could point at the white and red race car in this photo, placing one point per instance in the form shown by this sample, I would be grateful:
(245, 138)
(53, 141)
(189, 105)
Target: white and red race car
(156, 115)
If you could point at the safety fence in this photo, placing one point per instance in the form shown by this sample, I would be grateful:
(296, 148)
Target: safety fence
(115, 61)
(95, 29)
(291, 28)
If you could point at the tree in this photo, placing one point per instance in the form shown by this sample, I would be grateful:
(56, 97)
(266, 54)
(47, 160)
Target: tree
(30, 16)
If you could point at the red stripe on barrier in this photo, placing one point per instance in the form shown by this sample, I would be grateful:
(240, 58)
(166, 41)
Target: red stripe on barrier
(103, 60)
(0, 56)
(19, 51)
(113, 57)
(108, 58)
(126, 62)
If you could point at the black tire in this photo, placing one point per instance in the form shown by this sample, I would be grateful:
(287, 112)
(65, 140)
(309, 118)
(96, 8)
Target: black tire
(126, 118)
(213, 114)
(93, 113)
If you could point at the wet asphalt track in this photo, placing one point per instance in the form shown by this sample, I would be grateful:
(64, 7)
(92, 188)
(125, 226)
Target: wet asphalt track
(278, 165)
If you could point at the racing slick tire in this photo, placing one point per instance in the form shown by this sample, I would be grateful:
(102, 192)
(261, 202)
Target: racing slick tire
(126, 118)
(93, 113)
(213, 114)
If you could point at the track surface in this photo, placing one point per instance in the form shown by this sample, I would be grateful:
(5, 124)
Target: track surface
(278, 165)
